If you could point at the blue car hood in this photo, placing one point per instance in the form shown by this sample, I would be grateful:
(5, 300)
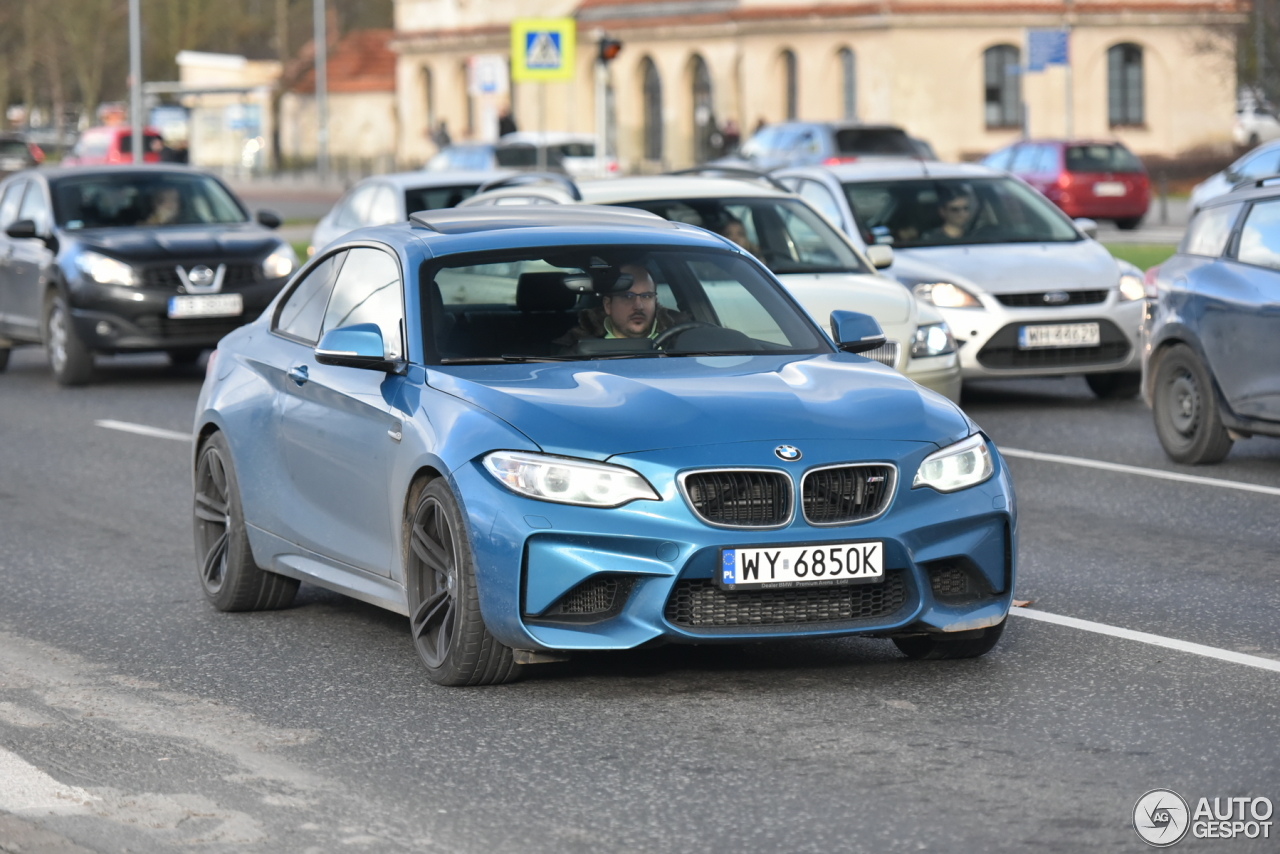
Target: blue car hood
(601, 408)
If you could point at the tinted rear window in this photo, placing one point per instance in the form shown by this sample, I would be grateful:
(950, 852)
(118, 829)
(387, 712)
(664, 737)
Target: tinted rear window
(1101, 158)
(13, 148)
(874, 141)
(434, 198)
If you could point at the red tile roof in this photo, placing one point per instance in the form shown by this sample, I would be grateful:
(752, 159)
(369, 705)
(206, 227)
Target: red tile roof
(360, 61)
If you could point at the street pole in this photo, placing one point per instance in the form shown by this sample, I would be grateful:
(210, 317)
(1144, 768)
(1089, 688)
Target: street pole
(135, 77)
(322, 90)
(1070, 111)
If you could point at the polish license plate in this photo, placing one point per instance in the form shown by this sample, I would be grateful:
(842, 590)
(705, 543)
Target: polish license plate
(801, 566)
(1059, 335)
(1108, 189)
(207, 305)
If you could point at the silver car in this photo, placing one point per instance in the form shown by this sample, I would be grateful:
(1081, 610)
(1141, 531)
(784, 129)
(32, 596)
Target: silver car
(1025, 290)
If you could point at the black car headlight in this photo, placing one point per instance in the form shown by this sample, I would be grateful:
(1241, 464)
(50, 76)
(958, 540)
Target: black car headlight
(955, 467)
(567, 481)
(932, 339)
(106, 270)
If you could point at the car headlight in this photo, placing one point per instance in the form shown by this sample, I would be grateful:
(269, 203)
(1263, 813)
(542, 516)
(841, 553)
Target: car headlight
(567, 481)
(932, 339)
(959, 466)
(280, 263)
(1131, 288)
(946, 295)
(104, 270)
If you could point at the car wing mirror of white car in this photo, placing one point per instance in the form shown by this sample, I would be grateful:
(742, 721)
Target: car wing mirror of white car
(1088, 226)
(880, 256)
(855, 332)
(356, 346)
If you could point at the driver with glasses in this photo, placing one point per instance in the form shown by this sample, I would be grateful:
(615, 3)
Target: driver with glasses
(633, 313)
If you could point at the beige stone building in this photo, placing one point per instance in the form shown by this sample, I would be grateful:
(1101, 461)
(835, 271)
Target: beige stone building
(1157, 74)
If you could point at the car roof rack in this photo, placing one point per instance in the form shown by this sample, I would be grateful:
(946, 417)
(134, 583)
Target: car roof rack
(524, 179)
(469, 220)
(739, 173)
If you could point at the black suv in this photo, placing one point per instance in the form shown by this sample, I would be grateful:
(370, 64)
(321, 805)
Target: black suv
(122, 259)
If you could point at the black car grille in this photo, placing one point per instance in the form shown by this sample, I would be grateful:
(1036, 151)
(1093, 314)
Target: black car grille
(1037, 300)
(237, 275)
(699, 603)
(743, 499)
(597, 598)
(1002, 350)
(955, 580)
(846, 494)
(197, 328)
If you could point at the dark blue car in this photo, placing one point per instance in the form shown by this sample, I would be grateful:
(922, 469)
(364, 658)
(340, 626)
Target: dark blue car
(1212, 366)
(538, 430)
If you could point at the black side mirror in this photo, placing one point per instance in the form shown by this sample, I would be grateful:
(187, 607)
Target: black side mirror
(23, 229)
(270, 219)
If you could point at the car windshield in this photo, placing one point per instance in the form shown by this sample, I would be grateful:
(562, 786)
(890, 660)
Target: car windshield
(787, 235)
(941, 212)
(609, 302)
(122, 199)
(434, 198)
(13, 148)
(1101, 158)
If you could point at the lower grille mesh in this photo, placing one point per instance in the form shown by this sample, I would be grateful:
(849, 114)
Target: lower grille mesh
(594, 596)
(700, 603)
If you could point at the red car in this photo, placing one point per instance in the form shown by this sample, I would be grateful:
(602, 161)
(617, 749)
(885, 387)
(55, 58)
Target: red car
(1099, 180)
(109, 145)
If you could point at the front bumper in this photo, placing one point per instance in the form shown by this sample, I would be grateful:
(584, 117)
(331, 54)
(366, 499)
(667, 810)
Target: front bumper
(532, 556)
(936, 373)
(137, 318)
(987, 337)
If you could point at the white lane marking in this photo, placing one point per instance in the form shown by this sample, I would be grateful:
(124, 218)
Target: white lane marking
(1154, 640)
(143, 430)
(1157, 473)
(25, 787)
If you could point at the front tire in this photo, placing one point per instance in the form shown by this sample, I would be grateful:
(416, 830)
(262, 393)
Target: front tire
(70, 359)
(230, 578)
(4, 359)
(1185, 409)
(1119, 386)
(938, 647)
(1129, 223)
(444, 605)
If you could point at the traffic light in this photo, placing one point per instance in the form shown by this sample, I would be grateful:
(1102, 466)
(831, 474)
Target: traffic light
(609, 49)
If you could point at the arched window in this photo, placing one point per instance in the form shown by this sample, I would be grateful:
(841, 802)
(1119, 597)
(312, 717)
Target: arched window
(1124, 85)
(790, 93)
(848, 83)
(704, 124)
(652, 110)
(1002, 87)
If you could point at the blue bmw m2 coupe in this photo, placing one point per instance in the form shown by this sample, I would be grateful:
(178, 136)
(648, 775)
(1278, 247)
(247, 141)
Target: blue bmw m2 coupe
(539, 430)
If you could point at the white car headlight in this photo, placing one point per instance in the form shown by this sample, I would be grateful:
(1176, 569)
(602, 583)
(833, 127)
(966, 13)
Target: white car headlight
(946, 295)
(933, 339)
(1131, 287)
(568, 481)
(280, 263)
(104, 270)
(964, 464)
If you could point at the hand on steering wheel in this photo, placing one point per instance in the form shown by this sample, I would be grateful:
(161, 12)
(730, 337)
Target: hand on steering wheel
(667, 335)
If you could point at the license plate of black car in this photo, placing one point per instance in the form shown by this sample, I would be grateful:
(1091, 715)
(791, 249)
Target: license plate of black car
(207, 305)
(756, 568)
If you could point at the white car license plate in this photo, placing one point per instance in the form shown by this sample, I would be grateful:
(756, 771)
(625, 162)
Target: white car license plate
(207, 305)
(802, 566)
(1059, 335)
(1108, 189)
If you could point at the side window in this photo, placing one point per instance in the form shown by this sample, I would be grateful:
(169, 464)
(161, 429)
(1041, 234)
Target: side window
(34, 207)
(999, 159)
(383, 210)
(1048, 159)
(1024, 159)
(303, 312)
(368, 291)
(1260, 235)
(355, 211)
(820, 197)
(9, 204)
(1210, 230)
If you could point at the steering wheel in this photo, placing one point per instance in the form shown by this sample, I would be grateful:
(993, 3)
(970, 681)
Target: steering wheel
(664, 337)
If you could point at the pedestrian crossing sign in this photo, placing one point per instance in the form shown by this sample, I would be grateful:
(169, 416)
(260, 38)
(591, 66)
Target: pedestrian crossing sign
(542, 49)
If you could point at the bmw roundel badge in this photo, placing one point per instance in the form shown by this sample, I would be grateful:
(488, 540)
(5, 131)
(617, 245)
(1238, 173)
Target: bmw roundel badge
(787, 453)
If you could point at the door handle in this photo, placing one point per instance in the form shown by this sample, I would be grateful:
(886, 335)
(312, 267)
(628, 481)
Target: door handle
(298, 373)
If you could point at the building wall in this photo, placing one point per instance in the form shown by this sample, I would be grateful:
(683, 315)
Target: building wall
(362, 125)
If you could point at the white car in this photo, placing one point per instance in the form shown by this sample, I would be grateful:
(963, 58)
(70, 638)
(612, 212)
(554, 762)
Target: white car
(1025, 289)
(818, 265)
(1255, 124)
(384, 199)
(1262, 162)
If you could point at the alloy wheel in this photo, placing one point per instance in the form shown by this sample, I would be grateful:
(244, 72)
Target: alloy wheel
(434, 619)
(58, 337)
(213, 510)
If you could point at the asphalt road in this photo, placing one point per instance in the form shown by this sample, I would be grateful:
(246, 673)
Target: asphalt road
(133, 717)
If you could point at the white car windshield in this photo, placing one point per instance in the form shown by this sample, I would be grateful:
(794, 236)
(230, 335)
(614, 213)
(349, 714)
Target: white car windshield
(950, 211)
